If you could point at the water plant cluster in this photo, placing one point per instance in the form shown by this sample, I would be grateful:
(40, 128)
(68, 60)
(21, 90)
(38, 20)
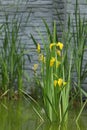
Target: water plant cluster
(12, 61)
(57, 63)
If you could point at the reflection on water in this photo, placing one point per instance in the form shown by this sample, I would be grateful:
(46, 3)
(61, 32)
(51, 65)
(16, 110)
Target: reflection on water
(19, 115)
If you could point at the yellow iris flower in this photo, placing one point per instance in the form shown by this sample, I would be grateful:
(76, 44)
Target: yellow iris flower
(60, 82)
(58, 52)
(55, 83)
(38, 48)
(52, 61)
(42, 58)
(35, 67)
(51, 45)
(60, 45)
(64, 83)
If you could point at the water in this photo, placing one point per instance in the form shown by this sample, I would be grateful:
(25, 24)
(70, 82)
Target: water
(19, 115)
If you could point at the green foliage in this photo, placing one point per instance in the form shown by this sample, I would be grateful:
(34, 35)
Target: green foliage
(55, 94)
(55, 80)
(79, 45)
(12, 56)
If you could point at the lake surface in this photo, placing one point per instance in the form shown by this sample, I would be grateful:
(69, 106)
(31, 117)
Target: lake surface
(19, 115)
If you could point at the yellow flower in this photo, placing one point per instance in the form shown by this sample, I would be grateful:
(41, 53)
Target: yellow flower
(42, 58)
(60, 45)
(58, 53)
(35, 67)
(60, 82)
(55, 83)
(58, 63)
(51, 45)
(52, 61)
(38, 48)
(64, 83)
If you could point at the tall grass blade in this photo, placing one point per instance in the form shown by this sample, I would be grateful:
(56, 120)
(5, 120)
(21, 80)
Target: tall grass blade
(48, 31)
(81, 111)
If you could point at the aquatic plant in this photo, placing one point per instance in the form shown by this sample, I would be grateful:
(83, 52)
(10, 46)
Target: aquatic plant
(12, 56)
(75, 39)
(54, 80)
(58, 61)
(79, 39)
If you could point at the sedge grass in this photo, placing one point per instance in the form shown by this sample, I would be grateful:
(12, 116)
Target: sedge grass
(12, 56)
(11, 59)
(79, 41)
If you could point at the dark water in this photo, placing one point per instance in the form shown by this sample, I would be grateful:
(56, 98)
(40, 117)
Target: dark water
(19, 115)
